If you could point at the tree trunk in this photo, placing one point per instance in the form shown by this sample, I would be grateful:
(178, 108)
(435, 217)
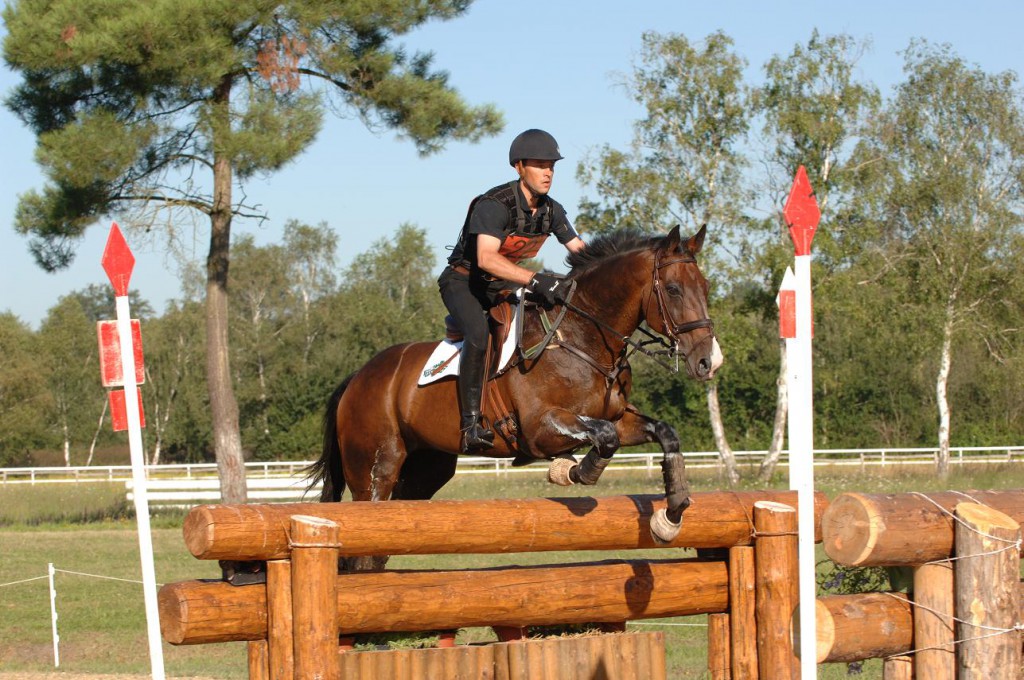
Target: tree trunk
(66, 434)
(721, 443)
(941, 385)
(781, 412)
(227, 439)
(96, 434)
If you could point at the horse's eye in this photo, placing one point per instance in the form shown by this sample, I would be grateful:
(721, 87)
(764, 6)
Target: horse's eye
(674, 290)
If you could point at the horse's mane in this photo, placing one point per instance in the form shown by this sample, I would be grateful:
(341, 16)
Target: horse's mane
(608, 245)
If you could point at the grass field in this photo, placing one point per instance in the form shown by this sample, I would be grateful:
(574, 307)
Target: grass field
(88, 530)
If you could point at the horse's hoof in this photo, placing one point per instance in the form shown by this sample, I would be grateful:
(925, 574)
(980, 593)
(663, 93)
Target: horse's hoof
(664, 530)
(558, 471)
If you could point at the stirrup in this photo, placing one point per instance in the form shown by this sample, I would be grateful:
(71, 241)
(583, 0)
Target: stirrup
(476, 437)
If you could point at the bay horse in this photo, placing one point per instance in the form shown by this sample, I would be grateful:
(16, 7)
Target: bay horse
(386, 437)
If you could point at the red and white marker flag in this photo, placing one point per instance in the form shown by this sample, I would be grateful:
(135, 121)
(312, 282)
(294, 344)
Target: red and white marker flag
(802, 216)
(786, 302)
(111, 373)
(123, 366)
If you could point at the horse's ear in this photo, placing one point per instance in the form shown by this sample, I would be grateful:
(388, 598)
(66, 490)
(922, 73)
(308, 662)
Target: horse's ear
(671, 242)
(696, 241)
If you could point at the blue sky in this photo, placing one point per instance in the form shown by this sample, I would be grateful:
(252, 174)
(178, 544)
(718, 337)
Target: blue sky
(551, 64)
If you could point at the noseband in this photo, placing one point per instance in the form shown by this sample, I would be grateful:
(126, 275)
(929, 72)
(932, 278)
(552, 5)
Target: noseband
(667, 322)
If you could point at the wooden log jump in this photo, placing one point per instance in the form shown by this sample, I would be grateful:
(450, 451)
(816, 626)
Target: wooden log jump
(981, 530)
(907, 529)
(276, 620)
(194, 612)
(260, 532)
(863, 626)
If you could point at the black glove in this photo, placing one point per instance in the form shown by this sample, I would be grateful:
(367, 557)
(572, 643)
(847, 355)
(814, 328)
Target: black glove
(551, 287)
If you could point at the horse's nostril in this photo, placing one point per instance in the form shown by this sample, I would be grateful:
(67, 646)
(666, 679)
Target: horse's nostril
(703, 367)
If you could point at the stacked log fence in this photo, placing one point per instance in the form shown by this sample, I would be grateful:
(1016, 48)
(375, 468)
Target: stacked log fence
(962, 617)
(293, 622)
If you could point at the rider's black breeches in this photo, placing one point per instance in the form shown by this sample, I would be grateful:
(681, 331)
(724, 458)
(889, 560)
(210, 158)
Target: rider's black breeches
(468, 307)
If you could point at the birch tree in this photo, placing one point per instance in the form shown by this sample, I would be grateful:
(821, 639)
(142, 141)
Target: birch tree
(813, 109)
(683, 165)
(946, 166)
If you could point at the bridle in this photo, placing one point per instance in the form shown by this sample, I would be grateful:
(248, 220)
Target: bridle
(667, 322)
(630, 346)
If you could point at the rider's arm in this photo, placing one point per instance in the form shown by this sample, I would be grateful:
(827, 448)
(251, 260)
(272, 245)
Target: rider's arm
(575, 245)
(494, 263)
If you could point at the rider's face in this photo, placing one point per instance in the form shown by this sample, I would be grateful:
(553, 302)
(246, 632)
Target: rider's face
(536, 175)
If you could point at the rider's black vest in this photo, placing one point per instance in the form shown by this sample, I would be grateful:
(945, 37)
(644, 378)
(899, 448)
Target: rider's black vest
(528, 234)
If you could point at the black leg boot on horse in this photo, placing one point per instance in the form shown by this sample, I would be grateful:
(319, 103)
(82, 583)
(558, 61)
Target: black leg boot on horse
(475, 437)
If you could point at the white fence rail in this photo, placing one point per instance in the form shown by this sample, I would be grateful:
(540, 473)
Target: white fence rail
(479, 465)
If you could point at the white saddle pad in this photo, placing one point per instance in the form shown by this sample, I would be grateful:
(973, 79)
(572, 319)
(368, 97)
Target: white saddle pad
(444, 360)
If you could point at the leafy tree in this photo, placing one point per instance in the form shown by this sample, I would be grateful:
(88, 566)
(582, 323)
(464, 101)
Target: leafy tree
(260, 283)
(946, 172)
(168, 104)
(177, 420)
(24, 394)
(684, 164)
(67, 340)
(97, 301)
(311, 253)
(812, 108)
(391, 295)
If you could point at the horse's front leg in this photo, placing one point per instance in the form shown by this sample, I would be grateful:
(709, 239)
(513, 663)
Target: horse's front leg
(635, 428)
(565, 431)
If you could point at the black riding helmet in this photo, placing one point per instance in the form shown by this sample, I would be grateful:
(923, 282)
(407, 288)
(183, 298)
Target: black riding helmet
(533, 144)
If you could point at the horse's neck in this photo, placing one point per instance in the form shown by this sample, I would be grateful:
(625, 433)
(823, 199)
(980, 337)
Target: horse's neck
(611, 298)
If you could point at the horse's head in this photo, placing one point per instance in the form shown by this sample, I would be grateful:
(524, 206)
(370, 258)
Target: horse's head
(678, 304)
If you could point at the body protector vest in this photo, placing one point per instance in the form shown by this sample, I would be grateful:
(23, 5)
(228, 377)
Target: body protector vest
(524, 236)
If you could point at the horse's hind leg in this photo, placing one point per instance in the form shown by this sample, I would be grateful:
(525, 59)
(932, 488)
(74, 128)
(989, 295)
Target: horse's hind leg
(372, 478)
(423, 474)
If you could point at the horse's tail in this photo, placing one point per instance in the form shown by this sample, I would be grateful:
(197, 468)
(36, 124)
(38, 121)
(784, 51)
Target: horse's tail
(328, 469)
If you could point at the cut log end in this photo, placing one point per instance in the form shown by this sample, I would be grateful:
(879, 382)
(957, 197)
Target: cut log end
(198, 530)
(826, 633)
(171, 608)
(986, 519)
(850, 527)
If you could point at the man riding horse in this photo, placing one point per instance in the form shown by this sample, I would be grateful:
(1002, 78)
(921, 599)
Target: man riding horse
(504, 226)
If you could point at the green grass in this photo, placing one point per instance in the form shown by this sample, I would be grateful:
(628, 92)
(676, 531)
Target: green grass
(62, 503)
(87, 528)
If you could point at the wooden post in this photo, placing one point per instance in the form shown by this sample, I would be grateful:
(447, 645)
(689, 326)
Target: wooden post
(719, 657)
(863, 626)
(279, 619)
(934, 631)
(742, 617)
(899, 668)
(315, 544)
(775, 554)
(987, 576)
(258, 660)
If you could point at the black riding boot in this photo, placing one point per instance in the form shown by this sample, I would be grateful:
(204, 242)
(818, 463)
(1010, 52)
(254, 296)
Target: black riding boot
(471, 379)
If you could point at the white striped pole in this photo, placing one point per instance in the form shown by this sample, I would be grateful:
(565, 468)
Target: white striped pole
(53, 616)
(118, 262)
(802, 216)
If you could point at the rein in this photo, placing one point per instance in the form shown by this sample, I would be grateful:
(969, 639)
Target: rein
(630, 346)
